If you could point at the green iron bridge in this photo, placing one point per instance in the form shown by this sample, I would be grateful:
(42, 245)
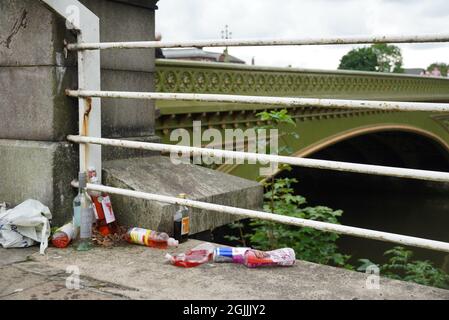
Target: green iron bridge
(318, 128)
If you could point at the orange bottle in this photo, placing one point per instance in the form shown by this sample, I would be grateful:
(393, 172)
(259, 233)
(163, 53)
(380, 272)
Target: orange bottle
(63, 236)
(150, 238)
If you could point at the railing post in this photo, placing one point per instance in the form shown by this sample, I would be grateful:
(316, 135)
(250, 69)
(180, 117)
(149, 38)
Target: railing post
(87, 25)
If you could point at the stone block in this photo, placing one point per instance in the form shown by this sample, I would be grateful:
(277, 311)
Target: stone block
(31, 35)
(41, 171)
(32, 103)
(114, 153)
(124, 22)
(159, 175)
(127, 117)
(33, 106)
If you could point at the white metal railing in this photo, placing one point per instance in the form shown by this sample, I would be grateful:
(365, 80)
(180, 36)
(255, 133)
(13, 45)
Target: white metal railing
(280, 101)
(295, 161)
(89, 95)
(258, 42)
(318, 225)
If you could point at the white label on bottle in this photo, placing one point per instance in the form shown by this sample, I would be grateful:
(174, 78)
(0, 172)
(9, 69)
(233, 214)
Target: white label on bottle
(95, 209)
(69, 230)
(107, 209)
(139, 235)
(185, 225)
(86, 222)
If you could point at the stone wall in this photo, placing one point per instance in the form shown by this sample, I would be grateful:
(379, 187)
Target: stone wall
(36, 116)
(35, 159)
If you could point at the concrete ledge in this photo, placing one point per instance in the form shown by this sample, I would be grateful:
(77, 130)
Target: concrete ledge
(41, 171)
(142, 273)
(158, 175)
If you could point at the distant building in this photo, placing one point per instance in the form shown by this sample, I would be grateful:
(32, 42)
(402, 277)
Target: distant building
(415, 71)
(197, 54)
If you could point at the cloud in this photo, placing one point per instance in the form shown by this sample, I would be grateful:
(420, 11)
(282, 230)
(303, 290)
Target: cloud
(204, 19)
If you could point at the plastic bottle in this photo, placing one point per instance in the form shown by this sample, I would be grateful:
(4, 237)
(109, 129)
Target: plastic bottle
(86, 215)
(193, 257)
(229, 254)
(62, 237)
(104, 214)
(281, 257)
(181, 220)
(150, 238)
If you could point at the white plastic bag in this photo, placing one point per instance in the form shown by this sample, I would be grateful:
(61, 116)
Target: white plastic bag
(21, 226)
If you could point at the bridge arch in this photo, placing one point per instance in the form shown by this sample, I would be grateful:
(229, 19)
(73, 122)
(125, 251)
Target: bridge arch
(383, 203)
(316, 137)
(361, 131)
(364, 130)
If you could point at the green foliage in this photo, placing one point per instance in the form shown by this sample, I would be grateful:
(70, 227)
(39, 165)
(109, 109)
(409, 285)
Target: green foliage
(443, 67)
(309, 244)
(389, 58)
(378, 57)
(365, 263)
(279, 198)
(242, 237)
(278, 119)
(400, 266)
(363, 59)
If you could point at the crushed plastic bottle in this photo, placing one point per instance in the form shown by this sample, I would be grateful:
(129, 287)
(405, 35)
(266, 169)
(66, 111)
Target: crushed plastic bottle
(284, 257)
(193, 257)
(150, 238)
(229, 254)
(64, 235)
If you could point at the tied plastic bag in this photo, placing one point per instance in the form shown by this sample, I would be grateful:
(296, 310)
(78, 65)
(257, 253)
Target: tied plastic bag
(21, 226)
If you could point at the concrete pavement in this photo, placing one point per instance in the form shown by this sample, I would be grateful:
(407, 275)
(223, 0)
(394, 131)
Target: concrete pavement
(136, 272)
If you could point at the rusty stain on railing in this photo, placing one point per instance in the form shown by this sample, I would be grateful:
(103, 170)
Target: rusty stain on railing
(85, 126)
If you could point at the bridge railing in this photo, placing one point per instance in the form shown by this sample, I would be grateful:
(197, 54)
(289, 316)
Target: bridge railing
(234, 78)
(89, 105)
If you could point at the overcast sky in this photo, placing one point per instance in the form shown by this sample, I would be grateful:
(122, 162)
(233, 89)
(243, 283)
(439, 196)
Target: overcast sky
(204, 19)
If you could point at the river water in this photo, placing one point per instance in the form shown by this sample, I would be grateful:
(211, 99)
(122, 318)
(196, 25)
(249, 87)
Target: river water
(401, 206)
(404, 206)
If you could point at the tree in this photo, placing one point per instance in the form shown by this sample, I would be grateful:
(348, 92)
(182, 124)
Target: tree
(443, 67)
(378, 57)
(363, 59)
(389, 57)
